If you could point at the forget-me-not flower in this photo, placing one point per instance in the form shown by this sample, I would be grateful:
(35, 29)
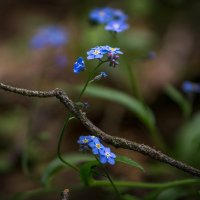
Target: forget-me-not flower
(116, 26)
(106, 156)
(115, 19)
(188, 86)
(79, 65)
(100, 76)
(103, 74)
(101, 15)
(93, 143)
(83, 140)
(96, 146)
(119, 15)
(112, 50)
(96, 53)
(99, 51)
(151, 55)
(49, 36)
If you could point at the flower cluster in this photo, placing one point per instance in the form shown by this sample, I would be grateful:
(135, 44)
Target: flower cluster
(93, 143)
(49, 36)
(114, 19)
(188, 87)
(53, 37)
(97, 53)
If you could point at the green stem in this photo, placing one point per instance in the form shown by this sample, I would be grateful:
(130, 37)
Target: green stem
(148, 185)
(155, 136)
(59, 144)
(90, 76)
(134, 85)
(111, 182)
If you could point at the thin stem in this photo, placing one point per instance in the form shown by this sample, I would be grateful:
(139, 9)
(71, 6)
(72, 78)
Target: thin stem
(112, 183)
(148, 185)
(69, 117)
(155, 136)
(90, 76)
(134, 84)
(59, 143)
(110, 179)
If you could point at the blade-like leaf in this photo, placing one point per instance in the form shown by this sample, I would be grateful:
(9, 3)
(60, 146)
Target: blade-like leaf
(177, 97)
(85, 172)
(129, 197)
(129, 161)
(139, 109)
(188, 141)
(56, 165)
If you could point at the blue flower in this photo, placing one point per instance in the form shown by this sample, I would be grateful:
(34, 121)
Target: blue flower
(119, 15)
(112, 50)
(106, 15)
(99, 77)
(116, 26)
(106, 156)
(188, 86)
(93, 143)
(99, 51)
(151, 55)
(79, 65)
(96, 146)
(49, 36)
(101, 15)
(96, 53)
(84, 140)
(103, 74)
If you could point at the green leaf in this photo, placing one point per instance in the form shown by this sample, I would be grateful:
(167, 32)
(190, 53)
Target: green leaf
(172, 194)
(188, 141)
(56, 165)
(177, 97)
(85, 172)
(129, 161)
(129, 197)
(139, 109)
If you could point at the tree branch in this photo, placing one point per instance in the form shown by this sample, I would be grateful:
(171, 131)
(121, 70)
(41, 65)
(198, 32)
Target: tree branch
(112, 140)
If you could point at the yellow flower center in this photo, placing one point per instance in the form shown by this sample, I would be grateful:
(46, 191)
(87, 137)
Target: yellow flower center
(98, 146)
(85, 141)
(96, 52)
(112, 49)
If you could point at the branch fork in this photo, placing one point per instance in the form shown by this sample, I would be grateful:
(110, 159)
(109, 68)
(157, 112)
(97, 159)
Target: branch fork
(112, 140)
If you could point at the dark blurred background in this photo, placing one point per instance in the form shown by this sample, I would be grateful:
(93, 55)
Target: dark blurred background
(170, 28)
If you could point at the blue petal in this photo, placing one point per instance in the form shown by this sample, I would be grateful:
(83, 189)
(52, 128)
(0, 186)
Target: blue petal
(103, 159)
(111, 161)
(95, 151)
(102, 151)
(90, 57)
(113, 155)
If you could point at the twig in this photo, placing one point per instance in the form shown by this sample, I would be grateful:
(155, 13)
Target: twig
(115, 141)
